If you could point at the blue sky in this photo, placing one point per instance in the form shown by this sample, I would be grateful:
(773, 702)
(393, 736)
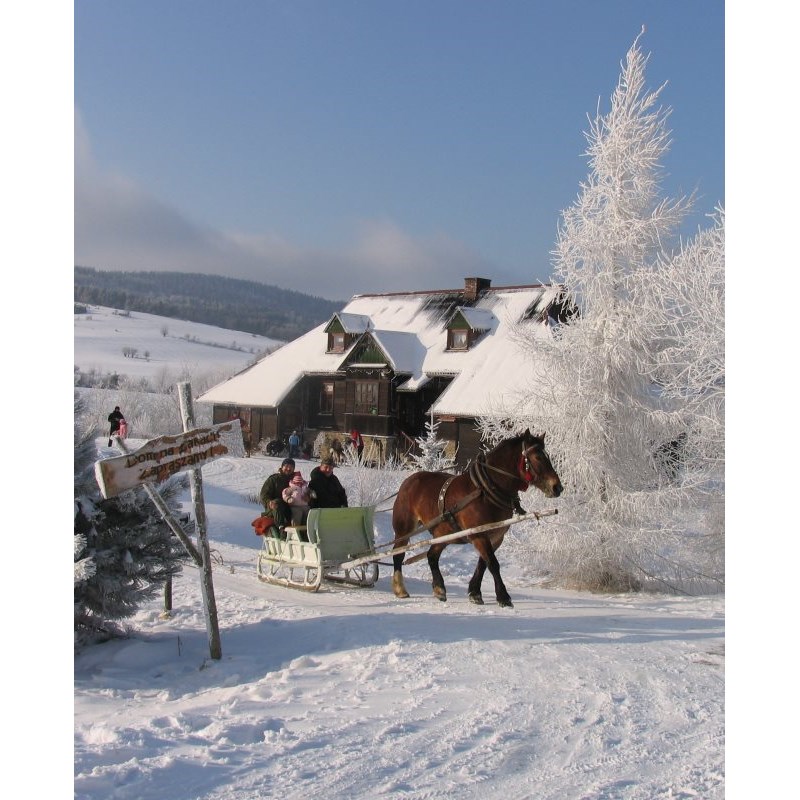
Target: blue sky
(347, 146)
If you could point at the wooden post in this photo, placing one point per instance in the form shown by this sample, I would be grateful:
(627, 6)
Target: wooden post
(167, 612)
(196, 485)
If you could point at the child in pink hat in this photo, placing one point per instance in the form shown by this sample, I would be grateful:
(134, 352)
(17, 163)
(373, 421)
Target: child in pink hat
(296, 495)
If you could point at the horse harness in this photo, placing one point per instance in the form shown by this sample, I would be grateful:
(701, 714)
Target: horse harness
(479, 473)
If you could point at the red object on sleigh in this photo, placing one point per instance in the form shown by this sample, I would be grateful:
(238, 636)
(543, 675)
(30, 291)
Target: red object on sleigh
(262, 524)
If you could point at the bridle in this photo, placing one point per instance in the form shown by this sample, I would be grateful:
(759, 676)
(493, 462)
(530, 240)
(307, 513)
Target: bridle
(527, 473)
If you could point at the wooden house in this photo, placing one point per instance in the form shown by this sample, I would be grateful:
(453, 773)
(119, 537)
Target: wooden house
(387, 363)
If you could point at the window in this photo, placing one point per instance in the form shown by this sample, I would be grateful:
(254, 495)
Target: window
(326, 399)
(457, 340)
(336, 342)
(366, 397)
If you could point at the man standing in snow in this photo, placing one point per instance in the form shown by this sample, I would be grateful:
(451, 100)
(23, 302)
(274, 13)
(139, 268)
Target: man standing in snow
(114, 420)
(271, 494)
(357, 443)
(294, 445)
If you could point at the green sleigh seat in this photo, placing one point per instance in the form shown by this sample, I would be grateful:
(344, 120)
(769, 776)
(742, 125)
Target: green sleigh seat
(335, 536)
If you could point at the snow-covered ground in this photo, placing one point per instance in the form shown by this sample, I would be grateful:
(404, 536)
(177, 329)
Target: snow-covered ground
(351, 693)
(103, 334)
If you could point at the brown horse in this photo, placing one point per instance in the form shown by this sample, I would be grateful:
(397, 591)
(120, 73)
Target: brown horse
(485, 492)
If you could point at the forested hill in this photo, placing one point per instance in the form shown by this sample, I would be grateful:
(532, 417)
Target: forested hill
(225, 302)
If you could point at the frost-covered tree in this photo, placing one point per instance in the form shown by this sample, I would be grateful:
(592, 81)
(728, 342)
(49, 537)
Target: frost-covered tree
(608, 422)
(431, 456)
(124, 551)
(683, 300)
(370, 485)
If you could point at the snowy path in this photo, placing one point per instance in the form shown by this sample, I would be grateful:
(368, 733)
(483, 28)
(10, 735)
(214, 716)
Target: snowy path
(353, 692)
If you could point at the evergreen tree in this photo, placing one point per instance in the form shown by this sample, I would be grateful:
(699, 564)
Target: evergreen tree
(124, 551)
(431, 455)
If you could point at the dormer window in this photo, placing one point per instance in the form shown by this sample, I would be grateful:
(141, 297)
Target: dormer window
(457, 339)
(336, 342)
(344, 329)
(466, 326)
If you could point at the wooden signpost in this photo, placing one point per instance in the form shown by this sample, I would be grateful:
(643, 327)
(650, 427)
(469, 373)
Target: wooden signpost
(159, 459)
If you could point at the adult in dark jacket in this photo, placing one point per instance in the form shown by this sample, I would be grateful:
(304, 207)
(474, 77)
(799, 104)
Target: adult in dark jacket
(114, 419)
(271, 494)
(325, 491)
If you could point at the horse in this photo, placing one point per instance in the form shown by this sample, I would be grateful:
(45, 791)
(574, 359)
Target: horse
(485, 492)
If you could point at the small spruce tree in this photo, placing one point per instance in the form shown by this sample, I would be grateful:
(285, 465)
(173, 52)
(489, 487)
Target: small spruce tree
(123, 550)
(431, 456)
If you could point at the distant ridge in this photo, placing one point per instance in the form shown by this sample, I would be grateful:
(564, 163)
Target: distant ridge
(213, 299)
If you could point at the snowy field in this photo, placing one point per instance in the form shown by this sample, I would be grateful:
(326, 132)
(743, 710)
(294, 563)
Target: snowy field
(102, 334)
(351, 693)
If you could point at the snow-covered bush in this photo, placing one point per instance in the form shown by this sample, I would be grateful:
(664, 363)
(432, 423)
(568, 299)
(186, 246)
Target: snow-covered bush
(148, 414)
(371, 485)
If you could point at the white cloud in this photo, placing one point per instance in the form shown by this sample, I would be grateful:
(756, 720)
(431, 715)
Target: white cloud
(119, 225)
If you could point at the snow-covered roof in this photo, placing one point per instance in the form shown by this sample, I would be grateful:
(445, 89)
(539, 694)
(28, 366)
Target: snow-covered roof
(405, 351)
(352, 323)
(479, 319)
(411, 331)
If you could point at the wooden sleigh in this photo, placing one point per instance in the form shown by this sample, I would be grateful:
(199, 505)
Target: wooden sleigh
(341, 548)
(335, 536)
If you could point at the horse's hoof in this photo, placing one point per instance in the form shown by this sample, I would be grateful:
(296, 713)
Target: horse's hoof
(440, 594)
(398, 586)
(505, 603)
(477, 599)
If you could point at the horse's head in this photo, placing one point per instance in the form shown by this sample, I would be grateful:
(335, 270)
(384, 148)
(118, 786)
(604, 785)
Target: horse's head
(535, 467)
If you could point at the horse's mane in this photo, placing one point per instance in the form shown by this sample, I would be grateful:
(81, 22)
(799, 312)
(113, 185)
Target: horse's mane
(516, 440)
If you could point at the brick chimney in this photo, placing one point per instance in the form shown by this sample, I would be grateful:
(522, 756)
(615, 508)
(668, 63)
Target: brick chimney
(473, 287)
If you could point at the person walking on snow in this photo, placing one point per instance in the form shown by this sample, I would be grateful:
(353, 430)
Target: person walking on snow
(114, 420)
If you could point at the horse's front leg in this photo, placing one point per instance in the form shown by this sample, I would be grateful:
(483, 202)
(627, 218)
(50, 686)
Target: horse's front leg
(474, 589)
(484, 547)
(434, 553)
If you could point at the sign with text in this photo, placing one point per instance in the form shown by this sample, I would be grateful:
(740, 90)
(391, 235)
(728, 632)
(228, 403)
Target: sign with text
(159, 459)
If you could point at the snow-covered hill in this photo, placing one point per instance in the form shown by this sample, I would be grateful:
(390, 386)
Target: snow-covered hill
(145, 345)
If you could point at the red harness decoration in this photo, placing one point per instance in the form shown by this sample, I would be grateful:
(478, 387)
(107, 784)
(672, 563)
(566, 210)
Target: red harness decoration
(524, 470)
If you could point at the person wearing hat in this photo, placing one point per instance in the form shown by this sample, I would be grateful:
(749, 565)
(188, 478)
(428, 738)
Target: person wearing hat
(325, 491)
(295, 495)
(271, 494)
